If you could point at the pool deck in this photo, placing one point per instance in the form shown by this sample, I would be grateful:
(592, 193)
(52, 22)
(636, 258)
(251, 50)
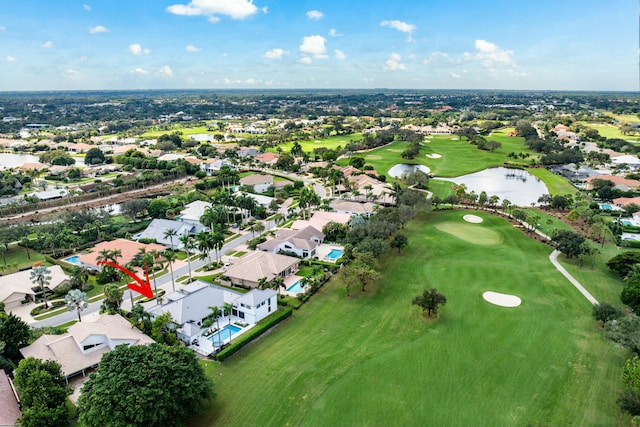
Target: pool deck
(324, 249)
(288, 281)
(205, 346)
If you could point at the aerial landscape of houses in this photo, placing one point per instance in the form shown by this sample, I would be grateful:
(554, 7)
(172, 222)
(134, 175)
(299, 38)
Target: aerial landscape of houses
(239, 213)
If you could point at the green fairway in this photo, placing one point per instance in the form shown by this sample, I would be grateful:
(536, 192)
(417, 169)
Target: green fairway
(611, 131)
(374, 359)
(332, 142)
(457, 157)
(556, 184)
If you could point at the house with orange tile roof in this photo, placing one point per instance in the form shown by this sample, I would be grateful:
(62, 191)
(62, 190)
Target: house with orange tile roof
(127, 248)
(619, 182)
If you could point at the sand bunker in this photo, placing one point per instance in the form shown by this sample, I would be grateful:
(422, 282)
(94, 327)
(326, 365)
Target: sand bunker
(455, 138)
(434, 156)
(503, 300)
(472, 218)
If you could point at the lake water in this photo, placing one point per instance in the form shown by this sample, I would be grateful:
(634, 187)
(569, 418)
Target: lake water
(516, 185)
(12, 160)
(404, 169)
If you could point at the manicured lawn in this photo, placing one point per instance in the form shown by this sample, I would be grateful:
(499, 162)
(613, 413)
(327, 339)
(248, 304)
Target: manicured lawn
(556, 184)
(374, 359)
(16, 259)
(458, 157)
(611, 131)
(331, 142)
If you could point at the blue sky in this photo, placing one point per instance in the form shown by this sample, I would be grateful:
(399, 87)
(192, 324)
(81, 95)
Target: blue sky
(231, 44)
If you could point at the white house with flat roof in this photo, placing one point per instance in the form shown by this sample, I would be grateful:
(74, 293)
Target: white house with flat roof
(193, 211)
(189, 307)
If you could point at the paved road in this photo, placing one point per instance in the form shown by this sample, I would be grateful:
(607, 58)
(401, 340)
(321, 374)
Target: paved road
(162, 282)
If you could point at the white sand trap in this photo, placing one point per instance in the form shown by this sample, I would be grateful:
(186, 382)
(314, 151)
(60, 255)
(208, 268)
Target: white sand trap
(455, 138)
(503, 300)
(472, 218)
(434, 156)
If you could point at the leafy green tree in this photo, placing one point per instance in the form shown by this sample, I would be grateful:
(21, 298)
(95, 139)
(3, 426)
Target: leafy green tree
(158, 208)
(43, 393)
(629, 400)
(76, 300)
(14, 333)
(94, 156)
(570, 243)
(164, 387)
(399, 241)
(134, 207)
(430, 300)
(624, 262)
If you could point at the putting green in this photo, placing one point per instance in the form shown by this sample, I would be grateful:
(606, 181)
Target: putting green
(471, 233)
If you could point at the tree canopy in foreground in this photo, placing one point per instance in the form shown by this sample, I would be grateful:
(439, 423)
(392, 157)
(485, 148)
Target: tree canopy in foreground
(152, 385)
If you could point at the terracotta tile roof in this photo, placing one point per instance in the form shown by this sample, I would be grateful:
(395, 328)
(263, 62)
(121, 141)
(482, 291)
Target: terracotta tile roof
(128, 248)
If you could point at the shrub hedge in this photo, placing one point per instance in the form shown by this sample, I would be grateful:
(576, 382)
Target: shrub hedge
(254, 333)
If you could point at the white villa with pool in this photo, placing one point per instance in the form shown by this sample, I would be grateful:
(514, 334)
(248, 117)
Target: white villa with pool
(189, 308)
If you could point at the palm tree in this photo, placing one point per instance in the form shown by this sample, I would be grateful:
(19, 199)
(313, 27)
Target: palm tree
(170, 233)
(150, 261)
(41, 276)
(170, 256)
(79, 276)
(204, 242)
(279, 219)
(76, 299)
(140, 316)
(113, 298)
(217, 241)
(259, 227)
(227, 309)
(185, 239)
(215, 314)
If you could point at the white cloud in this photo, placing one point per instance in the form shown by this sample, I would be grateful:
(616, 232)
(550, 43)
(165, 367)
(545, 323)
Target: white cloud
(137, 49)
(316, 15)
(334, 33)
(232, 82)
(251, 81)
(314, 46)
(235, 9)
(10, 58)
(99, 29)
(140, 71)
(166, 71)
(86, 7)
(192, 48)
(48, 44)
(83, 58)
(70, 73)
(340, 54)
(265, 9)
(3, 28)
(455, 75)
(436, 56)
(394, 63)
(305, 60)
(276, 53)
(399, 25)
(489, 54)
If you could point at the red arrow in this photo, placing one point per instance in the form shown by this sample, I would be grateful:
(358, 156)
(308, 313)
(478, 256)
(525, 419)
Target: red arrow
(143, 287)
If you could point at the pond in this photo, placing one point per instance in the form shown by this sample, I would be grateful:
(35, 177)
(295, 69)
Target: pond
(404, 169)
(13, 160)
(516, 185)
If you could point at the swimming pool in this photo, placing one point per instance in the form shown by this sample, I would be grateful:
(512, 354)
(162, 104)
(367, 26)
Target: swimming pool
(335, 254)
(295, 288)
(224, 334)
(605, 207)
(73, 259)
(626, 222)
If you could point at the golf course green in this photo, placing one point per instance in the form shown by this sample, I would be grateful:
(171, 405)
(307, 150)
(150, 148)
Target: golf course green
(374, 359)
